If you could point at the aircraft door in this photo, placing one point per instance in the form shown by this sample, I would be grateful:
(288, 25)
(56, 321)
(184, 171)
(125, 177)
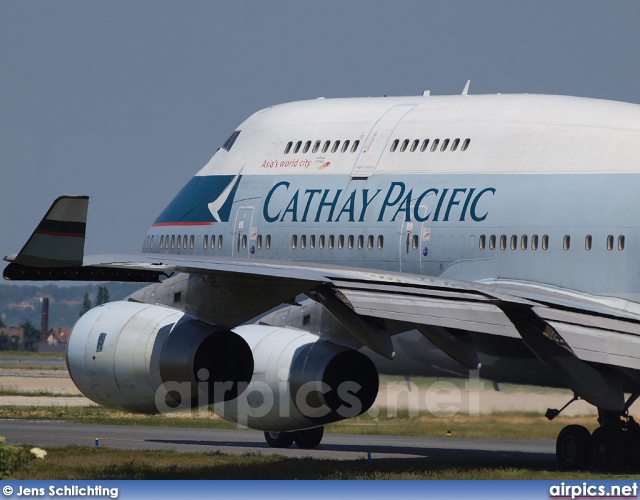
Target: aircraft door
(243, 234)
(414, 244)
(409, 260)
(377, 140)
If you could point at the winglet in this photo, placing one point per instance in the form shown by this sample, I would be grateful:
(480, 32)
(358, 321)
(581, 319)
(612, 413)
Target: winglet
(58, 241)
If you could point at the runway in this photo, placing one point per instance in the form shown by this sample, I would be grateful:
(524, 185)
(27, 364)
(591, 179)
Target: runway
(531, 454)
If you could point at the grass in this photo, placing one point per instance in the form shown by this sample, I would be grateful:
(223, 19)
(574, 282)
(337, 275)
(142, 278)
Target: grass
(25, 366)
(31, 354)
(497, 425)
(14, 391)
(81, 463)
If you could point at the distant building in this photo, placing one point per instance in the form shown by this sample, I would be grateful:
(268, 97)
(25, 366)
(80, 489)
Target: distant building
(57, 339)
(58, 335)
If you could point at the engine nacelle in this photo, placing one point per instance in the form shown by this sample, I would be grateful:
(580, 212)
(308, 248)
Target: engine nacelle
(300, 381)
(151, 359)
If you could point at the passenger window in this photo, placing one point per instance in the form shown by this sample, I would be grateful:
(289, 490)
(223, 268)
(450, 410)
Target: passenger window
(434, 145)
(184, 241)
(312, 241)
(307, 145)
(294, 241)
(425, 143)
(465, 144)
(244, 241)
(523, 242)
(416, 241)
(321, 242)
(303, 241)
(360, 241)
(272, 146)
(220, 241)
(297, 148)
(394, 145)
(335, 146)
(267, 241)
(152, 239)
(179, 241)
(545, 242)
(405, 143)
(370, 242)
(621, 242)
(288, 148)
(162, 241)
(173, 240)
(503, 242)
(610, 242)
(414, 145)
(355, 146)
(380, 242)
(566, 242)
(587, 242)
(326, 146)
(482, 241)
(345, 146)
(331, 241)
(534, 242)
(492, 242)
(192, 241)
(316, 146)
(259, 241)
(514, 242)
(445, 143)
(205, 241)
(350, 241)
(454, 146)
(341, 241)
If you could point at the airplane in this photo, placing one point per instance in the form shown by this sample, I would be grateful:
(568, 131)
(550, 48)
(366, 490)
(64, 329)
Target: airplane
(500, 227)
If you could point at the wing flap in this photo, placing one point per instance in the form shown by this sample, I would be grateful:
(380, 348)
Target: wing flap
(475, 316)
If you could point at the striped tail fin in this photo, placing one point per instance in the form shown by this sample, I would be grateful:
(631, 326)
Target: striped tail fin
(58, 241)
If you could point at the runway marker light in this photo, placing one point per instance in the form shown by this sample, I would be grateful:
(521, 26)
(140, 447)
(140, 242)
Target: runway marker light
(448, 434)
(97, 442)
(369, 457)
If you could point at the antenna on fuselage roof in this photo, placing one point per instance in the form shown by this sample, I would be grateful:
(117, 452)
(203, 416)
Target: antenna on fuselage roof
(466, 88)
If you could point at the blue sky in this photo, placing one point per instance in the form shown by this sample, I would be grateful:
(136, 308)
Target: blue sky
(125, 101)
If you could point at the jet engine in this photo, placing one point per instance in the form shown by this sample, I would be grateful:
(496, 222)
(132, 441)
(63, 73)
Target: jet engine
(152, 359)
(300, 381)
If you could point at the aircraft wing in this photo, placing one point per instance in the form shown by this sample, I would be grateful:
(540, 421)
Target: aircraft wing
(591, 342)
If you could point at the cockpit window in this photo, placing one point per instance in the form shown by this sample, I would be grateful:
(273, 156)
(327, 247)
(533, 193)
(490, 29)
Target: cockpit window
(229, 142)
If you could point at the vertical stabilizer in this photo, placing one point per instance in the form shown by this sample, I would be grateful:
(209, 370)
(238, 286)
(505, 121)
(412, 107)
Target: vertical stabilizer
(58, 241)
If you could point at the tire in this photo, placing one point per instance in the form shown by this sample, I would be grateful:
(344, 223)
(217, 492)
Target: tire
(608, 448)
(573, 447)
(309, 438)
(633, 447)
(279, 439)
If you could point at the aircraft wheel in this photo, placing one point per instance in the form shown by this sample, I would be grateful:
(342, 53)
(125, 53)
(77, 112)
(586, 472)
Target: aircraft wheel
(633, 447)
(572, 447)
(608, 448)
(279, 439)
(309, 438)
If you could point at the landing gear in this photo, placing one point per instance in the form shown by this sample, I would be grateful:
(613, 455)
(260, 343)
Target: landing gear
(608, 448)
(306, 439)
(611, 447)
(572, 447)
(309, 438)
(279, 439)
